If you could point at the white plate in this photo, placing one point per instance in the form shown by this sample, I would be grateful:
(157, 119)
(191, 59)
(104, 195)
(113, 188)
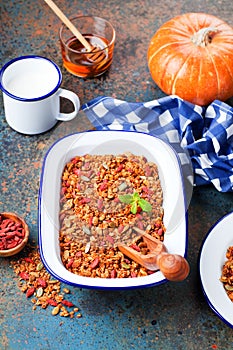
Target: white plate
(212, 258)
(109, 142)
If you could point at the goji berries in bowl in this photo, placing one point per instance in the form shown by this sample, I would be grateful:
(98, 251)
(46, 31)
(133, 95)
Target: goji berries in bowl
(14, 233)
(84, 177)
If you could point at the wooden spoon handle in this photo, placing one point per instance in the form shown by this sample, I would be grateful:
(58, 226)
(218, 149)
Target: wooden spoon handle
(69, 24)
(174, 267)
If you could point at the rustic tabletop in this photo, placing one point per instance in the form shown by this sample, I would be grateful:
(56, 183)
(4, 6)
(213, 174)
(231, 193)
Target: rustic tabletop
(169, 316)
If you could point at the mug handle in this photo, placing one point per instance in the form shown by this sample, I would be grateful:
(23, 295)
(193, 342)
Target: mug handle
(74, 99)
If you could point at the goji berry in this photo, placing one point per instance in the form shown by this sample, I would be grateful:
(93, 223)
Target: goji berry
(103, 187)
(95, 263)
(70, 263)
(160, 232)
(24, 275)
(42, 282)
(120, 228)
(11, 245)
(67, 303)
(52, 302)
(29, 260)
(133, 274)
(119, 168)
(10, 235)
(85, 200)
(113, 274)
(5, 223)
(110, 239)
(30, 292)
(135, 247)
(74, 160)
(140, 225)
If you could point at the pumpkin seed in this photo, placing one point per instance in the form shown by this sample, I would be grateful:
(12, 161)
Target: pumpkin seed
(88, 246)
(55, 310)
(125, 266)
(122, 186)
(40, 292)
(53, 281)
(68, 204)
(66, 254)
(85, 178)
(86, 230)
(125, 229)
(66, 290)
(228, 287)
(105, 166)
(39, 266)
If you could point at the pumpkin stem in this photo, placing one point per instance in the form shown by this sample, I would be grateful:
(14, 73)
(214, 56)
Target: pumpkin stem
(204, 36)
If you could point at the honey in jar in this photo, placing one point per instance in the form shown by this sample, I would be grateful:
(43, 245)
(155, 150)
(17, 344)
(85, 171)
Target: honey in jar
(78, 61)
(100, 34)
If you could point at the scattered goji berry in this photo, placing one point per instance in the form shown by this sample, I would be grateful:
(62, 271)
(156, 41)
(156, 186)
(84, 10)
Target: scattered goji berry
(42, 282)
(24, 275)
(67, 303)
(52, 302)
(30, 292)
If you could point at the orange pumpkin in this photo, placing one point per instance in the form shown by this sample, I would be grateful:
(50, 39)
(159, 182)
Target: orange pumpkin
(191, 56)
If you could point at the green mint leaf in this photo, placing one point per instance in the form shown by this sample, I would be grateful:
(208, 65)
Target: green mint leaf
(136, 196)
(134, 207)
(145, 205)
(126, 198)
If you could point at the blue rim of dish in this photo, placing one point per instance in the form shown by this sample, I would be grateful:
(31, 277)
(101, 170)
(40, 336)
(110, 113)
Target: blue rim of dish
(30, 99)
(86, 286)
(199, 262)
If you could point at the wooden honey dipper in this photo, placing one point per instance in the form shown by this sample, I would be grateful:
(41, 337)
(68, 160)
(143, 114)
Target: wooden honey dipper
(97, 55)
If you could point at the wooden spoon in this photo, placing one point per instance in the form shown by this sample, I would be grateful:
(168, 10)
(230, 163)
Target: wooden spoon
(173, 266)
(97, 55)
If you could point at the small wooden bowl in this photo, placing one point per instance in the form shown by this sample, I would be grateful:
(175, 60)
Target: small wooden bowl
(21, 245)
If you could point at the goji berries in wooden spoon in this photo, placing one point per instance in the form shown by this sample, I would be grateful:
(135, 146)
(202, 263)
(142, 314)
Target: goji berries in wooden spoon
(173, 266)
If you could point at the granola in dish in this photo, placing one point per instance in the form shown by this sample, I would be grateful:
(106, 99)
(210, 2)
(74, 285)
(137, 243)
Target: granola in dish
(103, 197)
(227, 273)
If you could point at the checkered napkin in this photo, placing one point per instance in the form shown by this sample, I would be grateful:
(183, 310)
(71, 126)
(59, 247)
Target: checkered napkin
(202, 136)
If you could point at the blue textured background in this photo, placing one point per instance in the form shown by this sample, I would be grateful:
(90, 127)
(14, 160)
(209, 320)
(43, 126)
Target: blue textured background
(170, 316)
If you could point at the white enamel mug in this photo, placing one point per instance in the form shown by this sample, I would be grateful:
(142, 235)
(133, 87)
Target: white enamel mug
(31, 94)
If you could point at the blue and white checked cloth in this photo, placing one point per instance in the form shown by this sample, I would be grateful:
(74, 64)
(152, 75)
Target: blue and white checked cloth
(205, 133)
